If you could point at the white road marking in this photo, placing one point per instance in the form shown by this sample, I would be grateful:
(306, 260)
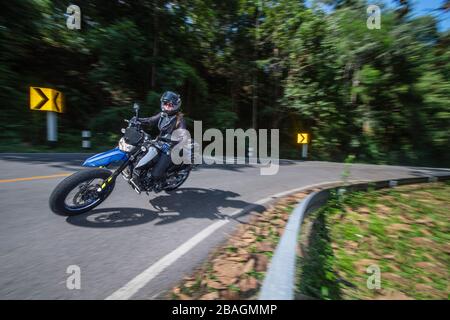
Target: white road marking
(132, 287)
(138, 282)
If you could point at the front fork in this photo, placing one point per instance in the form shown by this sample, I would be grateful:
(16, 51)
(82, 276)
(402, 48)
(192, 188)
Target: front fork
(114, 175)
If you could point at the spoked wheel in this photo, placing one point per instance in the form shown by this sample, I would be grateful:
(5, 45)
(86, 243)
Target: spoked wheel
(177, 179)
(83, 195)
(78, 193)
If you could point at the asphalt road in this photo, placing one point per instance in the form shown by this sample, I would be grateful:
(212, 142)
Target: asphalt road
(134, 246)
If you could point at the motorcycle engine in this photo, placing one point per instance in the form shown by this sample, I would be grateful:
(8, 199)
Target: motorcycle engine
(138, 158)
(146, 180)
(144, 174)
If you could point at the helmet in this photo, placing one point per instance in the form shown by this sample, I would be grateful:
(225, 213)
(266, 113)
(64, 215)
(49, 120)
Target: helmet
(170, 103)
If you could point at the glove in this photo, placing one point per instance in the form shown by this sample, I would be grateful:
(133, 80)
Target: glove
(165, 148)
(167, 137)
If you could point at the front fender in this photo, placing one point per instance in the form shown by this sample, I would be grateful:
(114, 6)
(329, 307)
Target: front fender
(105, 158)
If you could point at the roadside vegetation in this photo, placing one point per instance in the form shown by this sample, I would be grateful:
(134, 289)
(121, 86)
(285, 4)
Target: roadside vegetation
(381, 94)
(404, 231)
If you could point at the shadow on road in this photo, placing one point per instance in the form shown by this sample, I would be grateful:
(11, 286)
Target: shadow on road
(198, 203)
(180, 204)
(113, 217)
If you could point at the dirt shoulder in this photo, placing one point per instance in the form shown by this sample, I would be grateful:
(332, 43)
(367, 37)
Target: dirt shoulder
(236, 269)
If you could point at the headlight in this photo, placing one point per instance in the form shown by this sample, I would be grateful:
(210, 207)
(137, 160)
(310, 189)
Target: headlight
(125, 146)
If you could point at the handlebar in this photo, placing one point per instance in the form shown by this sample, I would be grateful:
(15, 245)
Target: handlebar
(165, 139)
(133, 120)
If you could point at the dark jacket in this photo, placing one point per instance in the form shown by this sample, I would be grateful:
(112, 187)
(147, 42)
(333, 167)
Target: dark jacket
(166, 124)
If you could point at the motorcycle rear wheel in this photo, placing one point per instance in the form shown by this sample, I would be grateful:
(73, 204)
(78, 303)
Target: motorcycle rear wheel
(181, 176)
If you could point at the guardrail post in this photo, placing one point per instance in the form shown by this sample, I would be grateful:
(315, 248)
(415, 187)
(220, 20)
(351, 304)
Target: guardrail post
(86, 143)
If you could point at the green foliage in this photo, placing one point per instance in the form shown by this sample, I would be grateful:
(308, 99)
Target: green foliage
(222, 115)
(381, 95)
(385, 228)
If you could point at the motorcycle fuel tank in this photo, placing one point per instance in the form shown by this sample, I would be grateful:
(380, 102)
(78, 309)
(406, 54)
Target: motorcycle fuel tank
(105, 158)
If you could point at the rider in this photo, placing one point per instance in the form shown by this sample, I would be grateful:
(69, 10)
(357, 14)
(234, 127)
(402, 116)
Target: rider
(169, 119)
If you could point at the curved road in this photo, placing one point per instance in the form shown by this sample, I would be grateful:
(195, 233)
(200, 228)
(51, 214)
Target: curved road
(134, 246)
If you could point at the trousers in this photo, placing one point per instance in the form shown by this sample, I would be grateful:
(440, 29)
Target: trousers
(160, 168)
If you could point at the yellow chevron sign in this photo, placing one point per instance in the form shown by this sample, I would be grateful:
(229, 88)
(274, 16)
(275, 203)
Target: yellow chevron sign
(303, 138)
(45, 99)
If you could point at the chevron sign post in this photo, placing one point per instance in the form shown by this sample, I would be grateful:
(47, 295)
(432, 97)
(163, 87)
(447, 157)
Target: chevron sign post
(303, 139)
(51, 101)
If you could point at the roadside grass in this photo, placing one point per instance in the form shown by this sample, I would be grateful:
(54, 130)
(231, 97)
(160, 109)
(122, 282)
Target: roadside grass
(404, 231)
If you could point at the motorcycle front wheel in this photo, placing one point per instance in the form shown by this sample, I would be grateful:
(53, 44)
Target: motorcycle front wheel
(78, 193)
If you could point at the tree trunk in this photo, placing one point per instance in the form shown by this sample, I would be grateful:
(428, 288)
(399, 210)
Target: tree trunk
(155, 43)
(255, 103)
(255, 71)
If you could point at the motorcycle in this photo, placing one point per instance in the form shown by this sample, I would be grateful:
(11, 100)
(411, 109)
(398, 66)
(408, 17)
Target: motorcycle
(86, 189)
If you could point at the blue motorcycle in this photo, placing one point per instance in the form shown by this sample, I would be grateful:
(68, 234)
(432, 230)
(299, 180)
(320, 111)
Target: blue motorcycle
(86, 189)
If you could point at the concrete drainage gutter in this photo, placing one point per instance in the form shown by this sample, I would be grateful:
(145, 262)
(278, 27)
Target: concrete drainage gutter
(279, 283)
